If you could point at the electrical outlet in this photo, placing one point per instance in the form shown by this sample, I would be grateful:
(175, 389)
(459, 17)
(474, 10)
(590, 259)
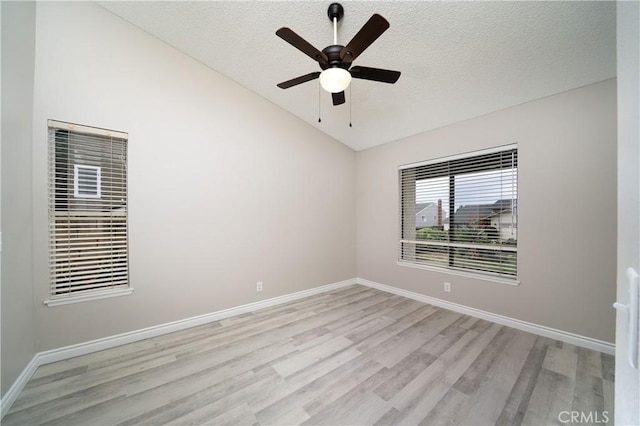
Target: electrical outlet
(447, 287)
(259, 286)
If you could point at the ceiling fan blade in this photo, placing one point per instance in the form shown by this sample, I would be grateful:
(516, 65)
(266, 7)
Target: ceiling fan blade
(302, 45)
(338, 98)
(298, 80)
(375, 74)
(369, 32)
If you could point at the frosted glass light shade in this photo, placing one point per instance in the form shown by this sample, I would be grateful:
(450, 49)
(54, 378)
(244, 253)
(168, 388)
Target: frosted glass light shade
(335, 80)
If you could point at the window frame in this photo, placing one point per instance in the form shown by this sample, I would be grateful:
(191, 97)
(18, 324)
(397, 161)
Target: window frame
(408, 201)
(97, 222)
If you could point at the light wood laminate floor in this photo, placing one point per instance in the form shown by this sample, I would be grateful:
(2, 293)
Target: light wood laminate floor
(352, 356)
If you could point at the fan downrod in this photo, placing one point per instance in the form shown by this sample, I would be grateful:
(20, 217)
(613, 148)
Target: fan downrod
(335, 11)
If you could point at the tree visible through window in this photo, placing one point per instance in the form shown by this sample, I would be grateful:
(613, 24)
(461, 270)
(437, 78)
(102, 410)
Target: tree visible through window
(475, 200)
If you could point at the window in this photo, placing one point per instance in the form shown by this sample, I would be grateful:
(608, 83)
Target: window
(88, 247)
(476, 197)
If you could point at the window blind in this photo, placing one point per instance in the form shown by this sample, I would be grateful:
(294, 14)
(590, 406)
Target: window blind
(461, 212)
(88, 245)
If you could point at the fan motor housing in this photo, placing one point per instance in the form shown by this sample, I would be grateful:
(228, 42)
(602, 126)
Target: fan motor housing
(333, 54)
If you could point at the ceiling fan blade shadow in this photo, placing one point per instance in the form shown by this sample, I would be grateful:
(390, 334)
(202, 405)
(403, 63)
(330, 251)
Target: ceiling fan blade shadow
(375, 74)
(338, 98)
(369, 32)
(302, 45)
(298, 80)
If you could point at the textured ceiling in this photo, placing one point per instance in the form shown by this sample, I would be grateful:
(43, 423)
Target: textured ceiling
(458, 59)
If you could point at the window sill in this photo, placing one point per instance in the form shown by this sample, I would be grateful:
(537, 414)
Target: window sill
(88, 297)
(499, 280)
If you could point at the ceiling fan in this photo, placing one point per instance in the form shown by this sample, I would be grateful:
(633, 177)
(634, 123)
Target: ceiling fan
(335, 60)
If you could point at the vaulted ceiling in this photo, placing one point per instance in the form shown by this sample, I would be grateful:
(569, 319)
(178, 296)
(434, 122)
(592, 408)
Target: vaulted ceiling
(458, 59)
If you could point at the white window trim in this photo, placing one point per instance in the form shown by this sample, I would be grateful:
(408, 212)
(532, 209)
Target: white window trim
(88, 130)
(97, 295)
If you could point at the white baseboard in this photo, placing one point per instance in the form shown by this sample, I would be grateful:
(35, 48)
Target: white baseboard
(541, 330)
(12, 394)
(158, 330)
(46, 357)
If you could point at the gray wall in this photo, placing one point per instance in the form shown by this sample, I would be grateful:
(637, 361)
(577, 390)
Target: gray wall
(18, 328)
(567, 211)
(223, 185)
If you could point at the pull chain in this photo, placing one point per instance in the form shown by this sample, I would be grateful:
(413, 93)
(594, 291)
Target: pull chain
(319, 110)
(350, 90)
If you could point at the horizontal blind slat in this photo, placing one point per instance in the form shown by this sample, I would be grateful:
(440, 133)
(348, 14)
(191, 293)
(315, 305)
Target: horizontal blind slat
(73, 289)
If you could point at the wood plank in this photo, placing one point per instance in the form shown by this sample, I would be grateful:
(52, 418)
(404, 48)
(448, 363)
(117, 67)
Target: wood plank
(551, 396)
(493, 383)
(320, 392)
(311, 356)
(397, 347)
(404, 372)
(608, 390)
(182, 405)
(325, 373)
(330, 396)
(517, 404)
(238, 416)
(608, 367)
(355, 408)
(447, 409)
(422, 394)
(561, 361)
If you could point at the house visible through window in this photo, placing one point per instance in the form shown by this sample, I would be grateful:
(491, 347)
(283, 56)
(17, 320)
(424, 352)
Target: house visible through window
(473, 200)
(88, 248)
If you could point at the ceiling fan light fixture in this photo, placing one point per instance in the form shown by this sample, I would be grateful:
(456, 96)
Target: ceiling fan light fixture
(335, 80)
